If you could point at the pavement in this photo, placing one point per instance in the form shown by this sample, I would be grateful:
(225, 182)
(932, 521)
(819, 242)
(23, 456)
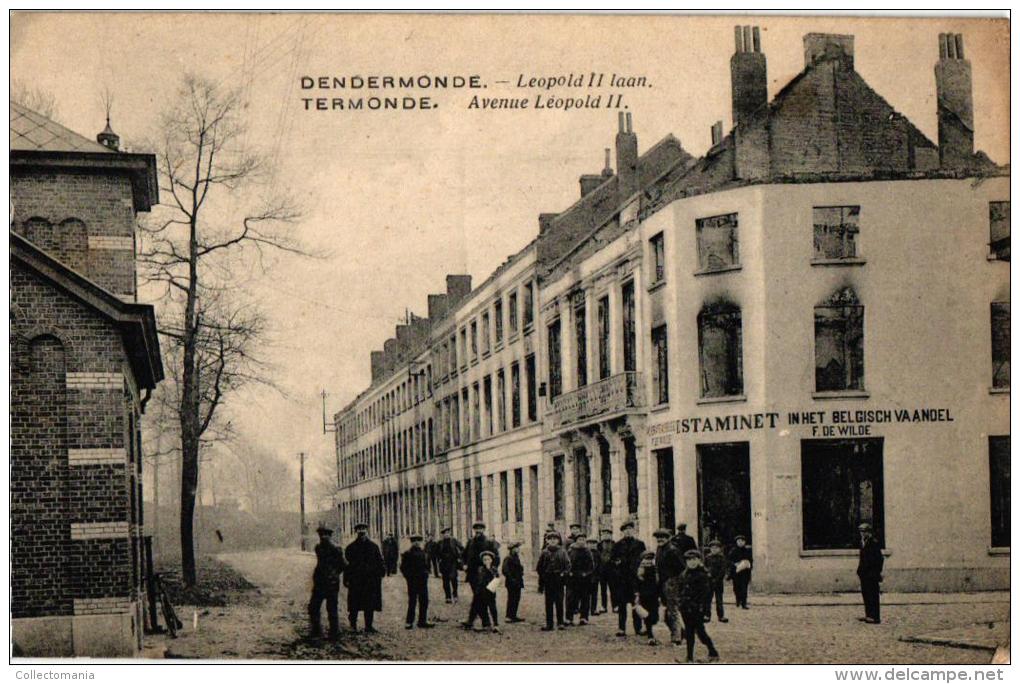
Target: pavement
(816, 628)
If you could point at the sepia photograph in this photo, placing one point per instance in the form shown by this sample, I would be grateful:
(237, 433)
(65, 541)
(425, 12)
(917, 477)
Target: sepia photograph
(547, 338)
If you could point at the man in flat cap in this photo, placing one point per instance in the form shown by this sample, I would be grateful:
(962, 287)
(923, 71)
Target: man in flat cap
(669, 567)
(625, 561)
(582, 566)
(472, 561)
(329, 564)
(606, 581)
(450, 552)
(718, 567)
(553, 568)
(683, 541)
(695, 586)
(414, 566)
(513, 575)
(363, 579)
(869, 570)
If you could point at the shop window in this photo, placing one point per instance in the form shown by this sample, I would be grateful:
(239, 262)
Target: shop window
(606, 476)
(660, 378)
(841, 487)
(998, 471)
(720, 351)
(998, 226)
(836, 231)
(839, 343)
(1000, 345)
(718, 243)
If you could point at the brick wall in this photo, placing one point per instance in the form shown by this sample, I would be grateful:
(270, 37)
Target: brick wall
(86, 220)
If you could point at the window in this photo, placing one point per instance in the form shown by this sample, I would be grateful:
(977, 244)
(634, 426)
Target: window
(485, 332)
(487, 384)
(498, 314)
(529, 304)
(479, 512)
(629, 328)
(463, 348)
(581, 339)
(998, 226)
(504, 497)
(558, 502)
(512, 311)
(841, 487)
(555, 371)
(476, 413)
(998, 461)
(657, 253)
(606, 475)
(530, 381)
(839, 343)
(667, 503)
(465, 414)
(718, 247)
(455, 419)
(519, 495)
(474, 340)
(453, 353)
(719, 349)
(603, 333)
(630, 465)
(660, 378)
(1000, 345)
(836, 231)
(501, 399)
(515, 394)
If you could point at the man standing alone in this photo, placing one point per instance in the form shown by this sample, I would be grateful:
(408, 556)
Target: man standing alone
(363, 579)
(450, 553)
(869, 570)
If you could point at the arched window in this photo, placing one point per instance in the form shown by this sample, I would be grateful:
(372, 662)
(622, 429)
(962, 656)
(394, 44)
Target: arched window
(839, 343)
(720, 350)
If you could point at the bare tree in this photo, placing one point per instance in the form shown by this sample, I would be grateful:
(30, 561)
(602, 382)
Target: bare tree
(35, 98)
(219, 213)
(262, 480)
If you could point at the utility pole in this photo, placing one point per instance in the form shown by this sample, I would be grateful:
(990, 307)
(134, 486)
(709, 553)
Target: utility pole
(303, 501)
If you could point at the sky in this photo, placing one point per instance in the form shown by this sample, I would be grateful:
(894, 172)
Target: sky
(398, 199)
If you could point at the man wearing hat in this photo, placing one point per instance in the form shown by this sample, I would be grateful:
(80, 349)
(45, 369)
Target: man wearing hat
(669, 566)
(553, 569)
(513, 575)
(575, 529)
(605, 550)
(363, 579)
(329, 564)
(414, 566)
(684, 541)
(741, 563)
(450, 553)
(625, 561)
(582, 566)
(695, 585)
(472, 561)
(869, 570)
(550, 527)
(718, 567)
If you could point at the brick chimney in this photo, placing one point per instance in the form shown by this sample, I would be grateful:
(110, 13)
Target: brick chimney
(438, 306)
(378, 366)
(457, 287)
(389, 355)
(748, 74)
(590, 181)
(955, 103)
(544, 221)
(626, 157)
(829, 47)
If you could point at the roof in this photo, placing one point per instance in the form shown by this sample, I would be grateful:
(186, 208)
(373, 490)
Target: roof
(136, 322)
(33, 131)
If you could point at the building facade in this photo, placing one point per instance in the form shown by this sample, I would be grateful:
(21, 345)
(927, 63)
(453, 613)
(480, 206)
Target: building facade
(84, 358)
(803, 329)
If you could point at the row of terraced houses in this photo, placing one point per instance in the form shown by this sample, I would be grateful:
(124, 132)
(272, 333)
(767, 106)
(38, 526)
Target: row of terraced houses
(802, 329)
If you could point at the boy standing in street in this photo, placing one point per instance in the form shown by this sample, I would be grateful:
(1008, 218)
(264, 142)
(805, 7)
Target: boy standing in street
(414, 566)
(717, 565)
(647, 597)
(740, 569)
(513, 574)
(694, 588)
(553, 568)
(582, 566)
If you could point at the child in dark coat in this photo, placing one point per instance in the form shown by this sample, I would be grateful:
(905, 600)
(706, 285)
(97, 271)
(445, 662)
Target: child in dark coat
(513, 574)
(485, 600)
(646, 596)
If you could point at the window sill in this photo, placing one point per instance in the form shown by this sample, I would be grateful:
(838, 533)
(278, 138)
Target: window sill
(659, 408)
(732, 399)
(836, 553)
(486, 354)
(498, 347)
(849, 261)
(714, 271)
(842, 394)
(998, 550)
(998, 390)
(657, 285)
(512, 338)
(996, 257)
(529, 328)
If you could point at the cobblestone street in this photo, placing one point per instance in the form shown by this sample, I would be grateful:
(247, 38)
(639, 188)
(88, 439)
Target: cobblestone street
(777, 628)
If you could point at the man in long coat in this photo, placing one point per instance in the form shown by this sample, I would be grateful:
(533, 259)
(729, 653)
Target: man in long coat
(326, 584)
(625, 560)
(363, 578)
(451, 553)
(869, 570)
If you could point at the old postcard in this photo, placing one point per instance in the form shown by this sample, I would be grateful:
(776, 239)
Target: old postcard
(510, 338)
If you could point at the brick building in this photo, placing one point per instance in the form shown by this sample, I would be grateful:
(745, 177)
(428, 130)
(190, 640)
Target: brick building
(804, 328)
(84, 358)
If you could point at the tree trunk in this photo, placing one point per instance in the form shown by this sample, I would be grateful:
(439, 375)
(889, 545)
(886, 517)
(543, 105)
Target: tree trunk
(190, 407)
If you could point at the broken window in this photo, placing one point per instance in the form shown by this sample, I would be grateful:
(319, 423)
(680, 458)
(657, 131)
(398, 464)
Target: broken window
(998, 457)
(718, 246)
(836, 231)
(841, 487)
(657, 252)
(1000, 345)
(555, 371)
(998, 224)
(720, 353)
(660, 377)
(839, 343)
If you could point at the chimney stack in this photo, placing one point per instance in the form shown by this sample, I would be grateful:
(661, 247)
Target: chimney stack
(626, 157)
(829, 47)
(716, 133)
(457, 287)
(437, 306)
(378, 366)
(955, 103)
(590, 181)
(748, 75)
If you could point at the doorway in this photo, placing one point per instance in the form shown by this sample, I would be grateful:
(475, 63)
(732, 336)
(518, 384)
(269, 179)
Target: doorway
(724, 492)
